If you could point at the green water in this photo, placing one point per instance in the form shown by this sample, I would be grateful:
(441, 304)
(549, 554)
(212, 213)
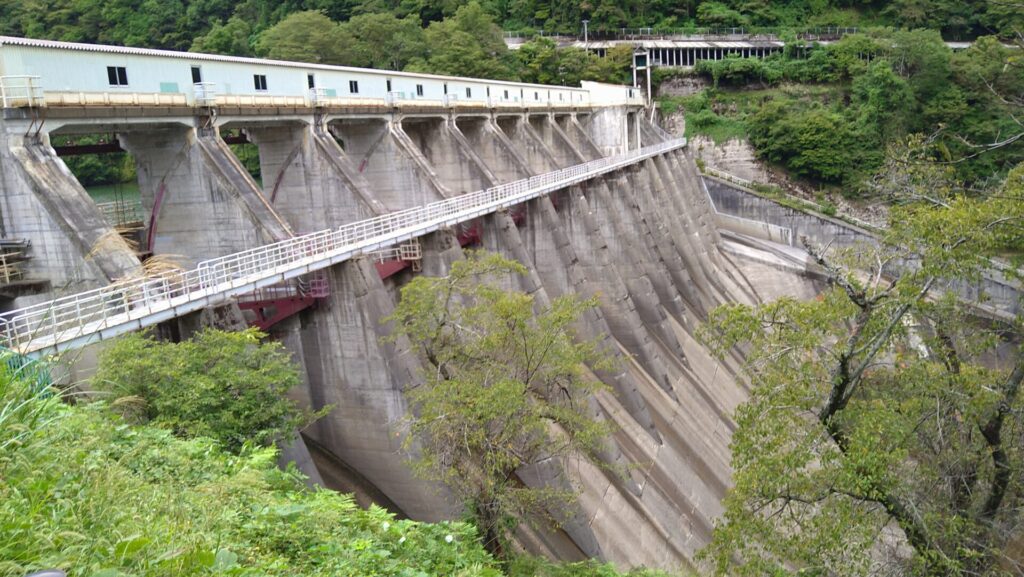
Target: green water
(128, 191)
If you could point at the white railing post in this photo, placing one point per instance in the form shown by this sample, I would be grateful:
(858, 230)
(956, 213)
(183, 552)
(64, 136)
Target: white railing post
(205, 93)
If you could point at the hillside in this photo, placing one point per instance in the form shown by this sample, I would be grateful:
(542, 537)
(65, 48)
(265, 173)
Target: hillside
(83, 490)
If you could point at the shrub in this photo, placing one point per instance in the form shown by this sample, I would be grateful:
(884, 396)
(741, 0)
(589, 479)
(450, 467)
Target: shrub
(97, 497)
(224, 385)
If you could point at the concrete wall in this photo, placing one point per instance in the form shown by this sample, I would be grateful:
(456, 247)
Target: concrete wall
(998, 295)
(197, 199)
(72, 246)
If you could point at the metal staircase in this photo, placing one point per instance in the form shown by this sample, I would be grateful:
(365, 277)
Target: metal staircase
(14, 282)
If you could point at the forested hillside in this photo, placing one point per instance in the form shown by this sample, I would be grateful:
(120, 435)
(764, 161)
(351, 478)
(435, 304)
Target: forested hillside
(830, 114)
(176, 23)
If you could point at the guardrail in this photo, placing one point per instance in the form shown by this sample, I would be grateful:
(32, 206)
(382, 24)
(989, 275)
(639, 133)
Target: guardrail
(21, 91)
(121, 213)
(36, 373)
(74, 320)
(204, 94)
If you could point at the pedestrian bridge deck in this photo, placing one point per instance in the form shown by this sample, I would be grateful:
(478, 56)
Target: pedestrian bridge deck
(74, 321)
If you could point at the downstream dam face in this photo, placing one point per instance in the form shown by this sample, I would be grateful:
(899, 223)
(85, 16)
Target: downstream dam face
(625, 218)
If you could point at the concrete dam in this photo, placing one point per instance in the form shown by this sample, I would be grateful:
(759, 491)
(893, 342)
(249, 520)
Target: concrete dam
(369, 178)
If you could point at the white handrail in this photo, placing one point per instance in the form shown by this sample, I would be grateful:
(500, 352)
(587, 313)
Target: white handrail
(205, 93)
(131, 304)
(19, 91)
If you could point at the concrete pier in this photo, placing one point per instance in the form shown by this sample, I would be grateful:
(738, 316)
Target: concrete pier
(72, 246)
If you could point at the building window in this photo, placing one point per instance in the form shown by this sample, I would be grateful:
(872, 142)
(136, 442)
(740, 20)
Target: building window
(446, 88)
(389, 85)
(197, 75)
(506, 95)
(353, 86)
(631, 94)
(117, 76)
(310, 81)
(259, 81)
(536, 95)
(419, 90)
(469, 92)
(560, 97)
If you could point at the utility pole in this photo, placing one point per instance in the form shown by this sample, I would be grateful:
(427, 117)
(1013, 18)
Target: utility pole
(585, 22)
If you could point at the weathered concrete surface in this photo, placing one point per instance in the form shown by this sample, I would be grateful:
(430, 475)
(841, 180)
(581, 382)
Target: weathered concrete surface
(397, 174)
(641, 241)
(577, 135)
(308, 180)
(349, 365)
(997, 294)
(198, 201)
(734, 156)
(443, 148)
(41, 201)
(610, 129)
(558, 144)
(503, 161)
(531, 147)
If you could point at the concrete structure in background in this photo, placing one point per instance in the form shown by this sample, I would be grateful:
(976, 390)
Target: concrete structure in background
(641, 236)
(685, 48)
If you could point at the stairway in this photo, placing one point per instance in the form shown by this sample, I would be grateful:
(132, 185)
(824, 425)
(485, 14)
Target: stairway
(13, 281)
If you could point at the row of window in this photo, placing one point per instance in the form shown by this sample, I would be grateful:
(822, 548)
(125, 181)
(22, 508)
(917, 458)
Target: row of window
(118, 76)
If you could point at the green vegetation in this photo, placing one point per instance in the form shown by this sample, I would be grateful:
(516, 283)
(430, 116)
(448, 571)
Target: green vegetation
(84, 491)
(877, 404)
(87, 491)
(235, 27)
(227, 386)
(701, 118)
(828, 113)
(95, 169)
(499, 378)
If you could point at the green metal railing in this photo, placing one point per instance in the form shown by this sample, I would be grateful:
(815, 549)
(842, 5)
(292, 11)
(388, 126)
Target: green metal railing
(36, 373)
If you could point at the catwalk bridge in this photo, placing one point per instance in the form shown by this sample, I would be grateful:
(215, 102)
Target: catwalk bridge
(74, 321)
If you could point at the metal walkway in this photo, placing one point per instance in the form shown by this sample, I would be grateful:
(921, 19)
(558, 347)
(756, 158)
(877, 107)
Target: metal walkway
(71, 322)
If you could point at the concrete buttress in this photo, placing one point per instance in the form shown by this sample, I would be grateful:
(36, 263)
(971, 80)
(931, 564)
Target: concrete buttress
(538, 155)
(350, 366)
(306, 179)
(198, 201)
(72, 245)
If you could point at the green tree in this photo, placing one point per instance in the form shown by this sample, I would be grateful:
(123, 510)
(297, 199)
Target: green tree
(233, 37)
(719, 15)
(876, 426)
(541, 61)
(882, 102)
(467, 44)
(224, 385)
(500, 379)
(811, 141)
(307, 37)
(384, 41)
